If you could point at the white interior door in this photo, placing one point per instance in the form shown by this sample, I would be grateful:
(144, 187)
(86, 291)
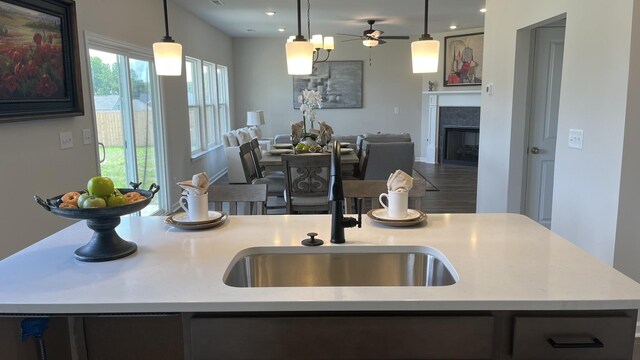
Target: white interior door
(543, 122)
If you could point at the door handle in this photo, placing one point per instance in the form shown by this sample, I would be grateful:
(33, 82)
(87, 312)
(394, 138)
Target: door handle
(534, 150)
(102, 158)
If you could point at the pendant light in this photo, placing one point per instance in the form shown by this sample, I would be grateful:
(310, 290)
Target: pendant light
(425, 51)
(299, 53)
(167, 54)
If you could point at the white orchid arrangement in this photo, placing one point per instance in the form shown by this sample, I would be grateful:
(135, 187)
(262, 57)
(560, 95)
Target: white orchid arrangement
(309, 101)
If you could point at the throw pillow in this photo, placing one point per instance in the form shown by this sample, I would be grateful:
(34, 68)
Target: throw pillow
(231, 139)
(253, 132)
(243, 136)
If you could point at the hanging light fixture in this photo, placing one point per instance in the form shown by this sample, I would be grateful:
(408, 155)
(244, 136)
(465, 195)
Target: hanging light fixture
(425, 51)
(319, 42)
(167, 54)
(299, 53)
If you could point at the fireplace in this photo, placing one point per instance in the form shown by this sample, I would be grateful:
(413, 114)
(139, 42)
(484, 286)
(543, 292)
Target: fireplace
(460, 145)
(459, 133)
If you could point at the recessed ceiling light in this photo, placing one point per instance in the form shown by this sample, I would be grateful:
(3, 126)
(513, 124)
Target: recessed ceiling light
(483, 10)
(453, 27)
(270, 13)
(282, 29)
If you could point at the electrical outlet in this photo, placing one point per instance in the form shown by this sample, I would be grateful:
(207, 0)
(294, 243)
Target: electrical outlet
(396, 110)
(86, 136)
(66, 140)
(575, 138)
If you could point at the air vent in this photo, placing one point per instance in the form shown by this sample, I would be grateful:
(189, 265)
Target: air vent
(217, 2)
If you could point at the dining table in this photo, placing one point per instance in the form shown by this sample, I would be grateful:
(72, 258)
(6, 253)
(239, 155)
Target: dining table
(273, 159)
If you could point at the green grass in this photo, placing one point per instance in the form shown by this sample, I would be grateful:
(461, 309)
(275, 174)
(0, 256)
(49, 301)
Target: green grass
(114, 166)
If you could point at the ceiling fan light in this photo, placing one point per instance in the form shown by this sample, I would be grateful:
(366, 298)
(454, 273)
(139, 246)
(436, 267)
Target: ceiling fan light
(370, 42)
(328, 43)
(299, 57)
(168, 58)
(424, 56)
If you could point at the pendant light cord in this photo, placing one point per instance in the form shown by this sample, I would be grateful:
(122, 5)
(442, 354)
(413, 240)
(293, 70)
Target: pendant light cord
(426, 15)
(166, 23)
(425, 35)
(299, 22)
(308, 19)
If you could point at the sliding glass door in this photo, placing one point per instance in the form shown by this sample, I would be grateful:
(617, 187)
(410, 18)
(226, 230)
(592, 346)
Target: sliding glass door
(128, 121)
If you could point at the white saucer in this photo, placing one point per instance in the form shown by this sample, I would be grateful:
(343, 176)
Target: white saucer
(183, 218)
(382, 214)
(346, 150)
(282, 146)
(280, 151)
(344, 144)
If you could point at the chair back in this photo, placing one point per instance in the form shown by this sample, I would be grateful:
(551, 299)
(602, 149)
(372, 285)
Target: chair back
(247, 158)
(257, 151)
(382, 159)
(238, 199)
(307, 178)
(370, 190)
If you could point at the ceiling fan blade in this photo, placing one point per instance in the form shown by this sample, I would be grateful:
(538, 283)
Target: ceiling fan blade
(348, 35)
(380, 42)
(351, 40)
(394, 37)
(376, 33)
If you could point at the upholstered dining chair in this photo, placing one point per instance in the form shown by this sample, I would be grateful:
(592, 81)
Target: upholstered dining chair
(307, 178)
(275, 184)
(238, 199)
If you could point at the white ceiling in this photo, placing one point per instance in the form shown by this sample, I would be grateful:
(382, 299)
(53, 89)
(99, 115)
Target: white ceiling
(394, 17)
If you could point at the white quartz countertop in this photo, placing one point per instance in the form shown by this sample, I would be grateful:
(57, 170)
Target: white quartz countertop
(504, 262)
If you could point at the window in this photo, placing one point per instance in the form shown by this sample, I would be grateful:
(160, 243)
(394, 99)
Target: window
(208, 98)
(127, 117)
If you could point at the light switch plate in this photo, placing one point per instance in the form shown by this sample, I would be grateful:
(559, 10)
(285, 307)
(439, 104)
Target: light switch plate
(575, 138)
(86, 136)
(66, 140)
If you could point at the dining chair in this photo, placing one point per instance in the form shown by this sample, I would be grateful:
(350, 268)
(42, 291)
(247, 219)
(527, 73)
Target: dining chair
(238, 199)
(370, 190)
(382, 159)
(307, 178)
(262, 171)
(275, 183)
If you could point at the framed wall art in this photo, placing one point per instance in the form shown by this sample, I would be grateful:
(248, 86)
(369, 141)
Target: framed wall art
(463, 60)
(39, 60)
(339, 82)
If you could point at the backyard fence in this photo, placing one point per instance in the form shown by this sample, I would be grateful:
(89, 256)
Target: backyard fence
(110, 131)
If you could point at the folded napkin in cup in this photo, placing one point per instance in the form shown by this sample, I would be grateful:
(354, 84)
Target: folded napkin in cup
(399, 181)
(198, 185)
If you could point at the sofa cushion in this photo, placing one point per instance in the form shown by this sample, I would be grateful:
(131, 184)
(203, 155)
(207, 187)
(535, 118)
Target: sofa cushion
(254, 133)
(243, 136)
(230, 139)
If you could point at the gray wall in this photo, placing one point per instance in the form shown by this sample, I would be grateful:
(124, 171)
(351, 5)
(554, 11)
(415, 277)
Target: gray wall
(262, 83)
(31, 161)
(595, 96)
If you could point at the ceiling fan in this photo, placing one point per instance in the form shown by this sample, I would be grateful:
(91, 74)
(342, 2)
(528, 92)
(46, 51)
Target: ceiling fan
(373, 37)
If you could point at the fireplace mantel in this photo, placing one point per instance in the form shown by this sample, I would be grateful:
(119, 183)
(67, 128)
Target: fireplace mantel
(431, 103)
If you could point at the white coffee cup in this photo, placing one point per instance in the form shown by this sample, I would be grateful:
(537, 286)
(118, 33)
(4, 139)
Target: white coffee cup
(196, 206)
(398, 203)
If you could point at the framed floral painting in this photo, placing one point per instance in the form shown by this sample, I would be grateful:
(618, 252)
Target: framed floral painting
(463, 59)
(39, 60)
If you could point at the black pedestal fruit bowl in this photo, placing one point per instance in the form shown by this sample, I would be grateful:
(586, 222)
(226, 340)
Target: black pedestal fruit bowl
(105, 244)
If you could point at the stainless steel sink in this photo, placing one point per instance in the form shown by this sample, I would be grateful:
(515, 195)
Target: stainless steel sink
(340, 266)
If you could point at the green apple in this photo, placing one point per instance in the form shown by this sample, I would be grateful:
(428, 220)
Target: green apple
(117, 199)
(94, 202)
(100, 186)
(82, 198)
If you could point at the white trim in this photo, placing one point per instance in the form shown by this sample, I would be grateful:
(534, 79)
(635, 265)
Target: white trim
(452, 92)
(638, 329)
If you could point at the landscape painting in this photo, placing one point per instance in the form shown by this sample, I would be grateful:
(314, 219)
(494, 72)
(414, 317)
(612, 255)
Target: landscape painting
(339, 83)
(38, 60)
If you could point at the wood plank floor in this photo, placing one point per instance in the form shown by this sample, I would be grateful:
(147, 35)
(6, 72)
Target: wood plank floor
(457, 188)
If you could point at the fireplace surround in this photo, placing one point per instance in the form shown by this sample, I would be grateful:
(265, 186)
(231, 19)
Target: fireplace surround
(459, 131)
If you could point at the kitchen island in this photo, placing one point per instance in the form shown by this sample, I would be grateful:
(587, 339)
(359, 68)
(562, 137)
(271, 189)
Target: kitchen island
(511, 273)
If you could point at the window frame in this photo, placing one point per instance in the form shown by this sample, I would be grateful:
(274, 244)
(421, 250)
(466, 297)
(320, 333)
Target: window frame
(212, 93)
